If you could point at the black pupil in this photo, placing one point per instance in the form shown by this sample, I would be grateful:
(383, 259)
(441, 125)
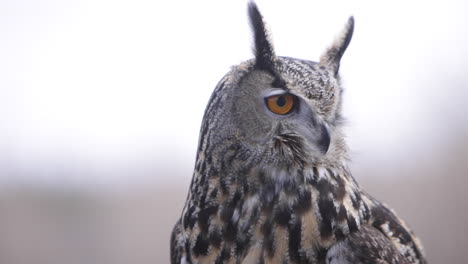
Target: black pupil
(281, 101)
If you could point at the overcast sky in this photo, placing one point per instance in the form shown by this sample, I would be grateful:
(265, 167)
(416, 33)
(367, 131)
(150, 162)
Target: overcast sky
(107, 91)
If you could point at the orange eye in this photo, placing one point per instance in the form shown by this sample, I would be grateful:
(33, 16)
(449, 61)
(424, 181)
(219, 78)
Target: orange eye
(280, 104)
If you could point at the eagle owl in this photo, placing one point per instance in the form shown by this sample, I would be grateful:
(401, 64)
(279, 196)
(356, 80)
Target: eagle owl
(271, 182)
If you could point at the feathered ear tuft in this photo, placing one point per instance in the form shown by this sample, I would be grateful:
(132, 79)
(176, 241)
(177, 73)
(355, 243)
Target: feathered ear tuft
(332, 56)
(263, 49)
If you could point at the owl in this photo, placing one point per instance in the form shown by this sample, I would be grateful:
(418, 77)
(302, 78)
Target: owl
(271, 182)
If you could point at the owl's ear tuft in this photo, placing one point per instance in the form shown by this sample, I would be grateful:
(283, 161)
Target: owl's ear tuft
(263, 47)
(332, 56)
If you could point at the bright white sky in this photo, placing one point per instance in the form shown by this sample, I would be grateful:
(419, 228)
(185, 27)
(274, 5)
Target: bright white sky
(114, 91)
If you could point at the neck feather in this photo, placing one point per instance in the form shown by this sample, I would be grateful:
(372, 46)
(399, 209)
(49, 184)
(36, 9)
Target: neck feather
(232, 205)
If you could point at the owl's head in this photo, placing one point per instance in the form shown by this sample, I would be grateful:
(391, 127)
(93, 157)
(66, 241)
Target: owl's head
(279, 110)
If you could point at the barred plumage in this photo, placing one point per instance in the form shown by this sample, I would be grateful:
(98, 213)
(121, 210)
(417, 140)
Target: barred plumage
(274, 187)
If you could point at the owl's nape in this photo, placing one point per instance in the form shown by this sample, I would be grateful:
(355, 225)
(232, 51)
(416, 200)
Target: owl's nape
(271, 182)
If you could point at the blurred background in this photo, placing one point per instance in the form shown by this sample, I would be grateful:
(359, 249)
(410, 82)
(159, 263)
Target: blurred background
(101, 103)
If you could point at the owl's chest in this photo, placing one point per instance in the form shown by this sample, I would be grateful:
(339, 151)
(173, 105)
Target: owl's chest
(285, 237)
(284, 229)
